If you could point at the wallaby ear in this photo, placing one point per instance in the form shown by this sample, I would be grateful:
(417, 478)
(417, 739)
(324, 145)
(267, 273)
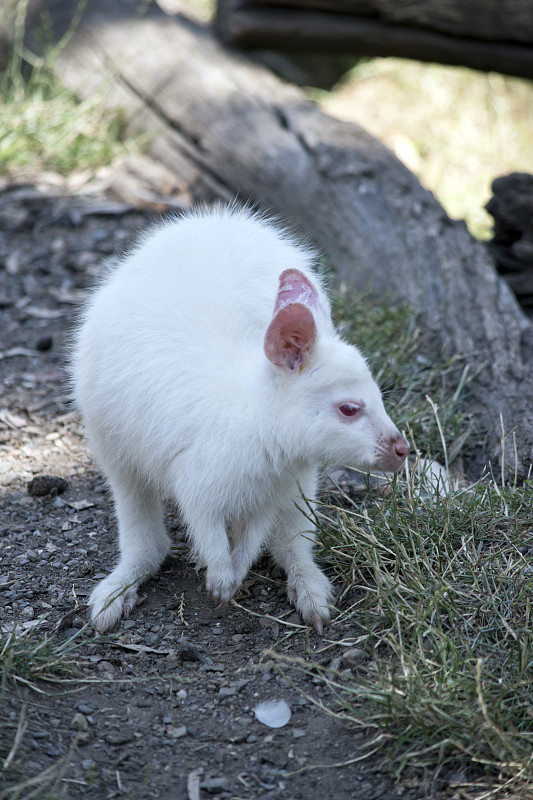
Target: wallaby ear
(290, 336)
(294, 287)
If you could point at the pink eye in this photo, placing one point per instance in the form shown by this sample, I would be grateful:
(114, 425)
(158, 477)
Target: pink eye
(348, 409)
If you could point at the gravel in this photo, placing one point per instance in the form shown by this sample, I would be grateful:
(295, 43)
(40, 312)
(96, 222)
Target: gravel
(166, 706)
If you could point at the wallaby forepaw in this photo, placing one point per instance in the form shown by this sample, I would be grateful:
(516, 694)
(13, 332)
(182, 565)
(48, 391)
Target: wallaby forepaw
(109, 602)
(221, 585)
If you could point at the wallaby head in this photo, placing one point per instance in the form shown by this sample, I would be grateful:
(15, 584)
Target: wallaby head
(332, 404)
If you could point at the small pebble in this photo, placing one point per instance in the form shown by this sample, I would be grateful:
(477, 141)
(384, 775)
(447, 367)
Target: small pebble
(188, 652)
(47, 486)
(85, 708)
(120, 738)
(227, 691)
(105, 666)
(176, 732)
(44, 343)
(355, 655)
(79, 722)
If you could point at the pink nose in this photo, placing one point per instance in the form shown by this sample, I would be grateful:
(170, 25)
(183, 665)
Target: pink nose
(393, 453)
(396, 453)
(401, 448)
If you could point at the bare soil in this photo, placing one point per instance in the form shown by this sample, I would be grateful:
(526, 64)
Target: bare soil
(163, 708)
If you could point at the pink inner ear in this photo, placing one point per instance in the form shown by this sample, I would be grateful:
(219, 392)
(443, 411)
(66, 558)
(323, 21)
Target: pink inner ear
(294, 287)
(290, 336)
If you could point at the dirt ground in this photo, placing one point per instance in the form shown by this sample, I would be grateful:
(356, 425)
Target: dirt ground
(166, 710)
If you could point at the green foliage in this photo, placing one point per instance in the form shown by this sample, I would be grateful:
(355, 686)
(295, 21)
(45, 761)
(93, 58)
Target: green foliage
(43, 126)
(435, 582)
(30, 660)
(440, 594)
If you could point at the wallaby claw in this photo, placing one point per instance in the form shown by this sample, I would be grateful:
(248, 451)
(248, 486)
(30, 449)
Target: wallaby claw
(318, 624)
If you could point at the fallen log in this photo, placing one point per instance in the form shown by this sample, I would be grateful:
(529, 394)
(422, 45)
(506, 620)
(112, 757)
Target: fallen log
(239, 131)
(497, 37)
(482, 34)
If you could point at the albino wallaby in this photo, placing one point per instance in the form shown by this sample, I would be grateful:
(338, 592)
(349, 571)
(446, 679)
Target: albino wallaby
(208, 372)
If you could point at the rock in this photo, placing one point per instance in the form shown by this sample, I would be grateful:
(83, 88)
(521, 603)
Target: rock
(176, 731)
(188, 652)
(79, 722)
(119, 737)
(227, 691)
(106, 667)
(512, 245)
(47, 486)
(44, 343)
(353, 656)
(86, 708)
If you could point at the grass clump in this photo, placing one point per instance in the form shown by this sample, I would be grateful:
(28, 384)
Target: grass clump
(44, 126)
(439, 594)
(31, 660)
(26, 657)
(435, 581)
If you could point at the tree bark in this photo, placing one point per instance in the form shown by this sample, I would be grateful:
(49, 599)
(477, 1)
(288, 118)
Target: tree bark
(490, 20)
(247, 134)
(498, 38)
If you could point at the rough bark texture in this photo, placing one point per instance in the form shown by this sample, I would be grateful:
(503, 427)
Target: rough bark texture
(247, 134)
(483, 34)
(492, 20)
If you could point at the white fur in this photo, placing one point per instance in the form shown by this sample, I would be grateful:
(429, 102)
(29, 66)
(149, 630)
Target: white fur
(180, 401)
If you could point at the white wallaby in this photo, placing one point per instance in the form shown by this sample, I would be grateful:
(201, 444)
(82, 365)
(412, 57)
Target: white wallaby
(208, 372)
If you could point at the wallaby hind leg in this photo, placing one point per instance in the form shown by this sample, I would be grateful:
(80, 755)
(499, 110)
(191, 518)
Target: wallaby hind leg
(143, 544)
